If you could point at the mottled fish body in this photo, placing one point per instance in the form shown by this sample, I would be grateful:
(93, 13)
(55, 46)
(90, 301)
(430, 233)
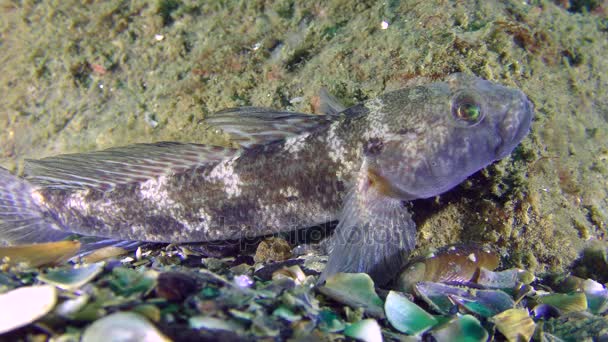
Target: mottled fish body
(293, 170)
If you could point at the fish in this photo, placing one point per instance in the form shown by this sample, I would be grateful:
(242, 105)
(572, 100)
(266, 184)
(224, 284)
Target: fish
(359, 166)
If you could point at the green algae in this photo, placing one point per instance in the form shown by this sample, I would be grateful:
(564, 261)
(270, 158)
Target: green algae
(81, 77)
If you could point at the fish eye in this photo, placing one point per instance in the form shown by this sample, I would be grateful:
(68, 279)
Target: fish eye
(466, 110)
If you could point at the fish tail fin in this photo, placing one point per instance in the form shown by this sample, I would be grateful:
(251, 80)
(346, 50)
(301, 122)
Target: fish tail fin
(22, 220)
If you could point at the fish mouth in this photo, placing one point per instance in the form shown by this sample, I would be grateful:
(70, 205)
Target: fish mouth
(516, 126)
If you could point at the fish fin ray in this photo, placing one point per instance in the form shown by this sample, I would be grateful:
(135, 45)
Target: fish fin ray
(121, 165)
(90, 244)
(375, 235)
(251, 126)
(21, 218)
(330, 105)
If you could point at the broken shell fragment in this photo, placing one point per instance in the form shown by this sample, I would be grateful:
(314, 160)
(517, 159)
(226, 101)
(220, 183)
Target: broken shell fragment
(515, 324)
(71, 278)
(149, 311)
(330, 322)
(122, 326)
(596, 293)
(27, 304)
(406, 316)
(286, 314)
(457, 264)
(436, 295)
(507, 279)
(366, 330)
(355, 290)
(597, 296)
(460, 328)
(443, 298)
(294, 273)
(69, 308)
(566, 303)
(485, 303)
(545, 311)
(212, 323)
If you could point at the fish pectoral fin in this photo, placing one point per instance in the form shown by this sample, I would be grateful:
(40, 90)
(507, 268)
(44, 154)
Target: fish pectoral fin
(121, 165)
(91, 244)
(375, 234)
(250, 126)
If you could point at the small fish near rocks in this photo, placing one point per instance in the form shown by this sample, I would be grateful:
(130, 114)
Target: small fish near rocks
(358, 165)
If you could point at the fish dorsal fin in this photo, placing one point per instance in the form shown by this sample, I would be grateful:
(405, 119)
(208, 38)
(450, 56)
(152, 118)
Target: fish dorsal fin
(121, 165)
(249, 126)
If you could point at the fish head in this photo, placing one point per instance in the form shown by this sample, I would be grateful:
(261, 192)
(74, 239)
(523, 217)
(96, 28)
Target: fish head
(441, 133)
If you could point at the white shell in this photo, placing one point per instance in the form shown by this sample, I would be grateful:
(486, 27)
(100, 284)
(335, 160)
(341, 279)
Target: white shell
(122, 326)
(25, 305)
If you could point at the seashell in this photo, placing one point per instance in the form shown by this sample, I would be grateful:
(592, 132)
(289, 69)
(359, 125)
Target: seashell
(40, 254)
(436, 295)
(485, 304)
(149, 311)
(264, 326)
(294, 273)
(406, 316)
(209, 292)
(507, 279)
(366, 330)
(286, 314)
(242, 316)
(522, 291)
(73, 277)
(330, 322)
(460, 328)
(241, 269)
(305, 330)
(212, 323)
(458, 264)
(70, 308)
(122, 326)
(443, 298)
(126, 281)
(265, 272)
(515, 324)
(566, 303)
(545, 311)
(597, 296)
(593, 262)
(25, 305)
(564, 284)
(355, 290)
